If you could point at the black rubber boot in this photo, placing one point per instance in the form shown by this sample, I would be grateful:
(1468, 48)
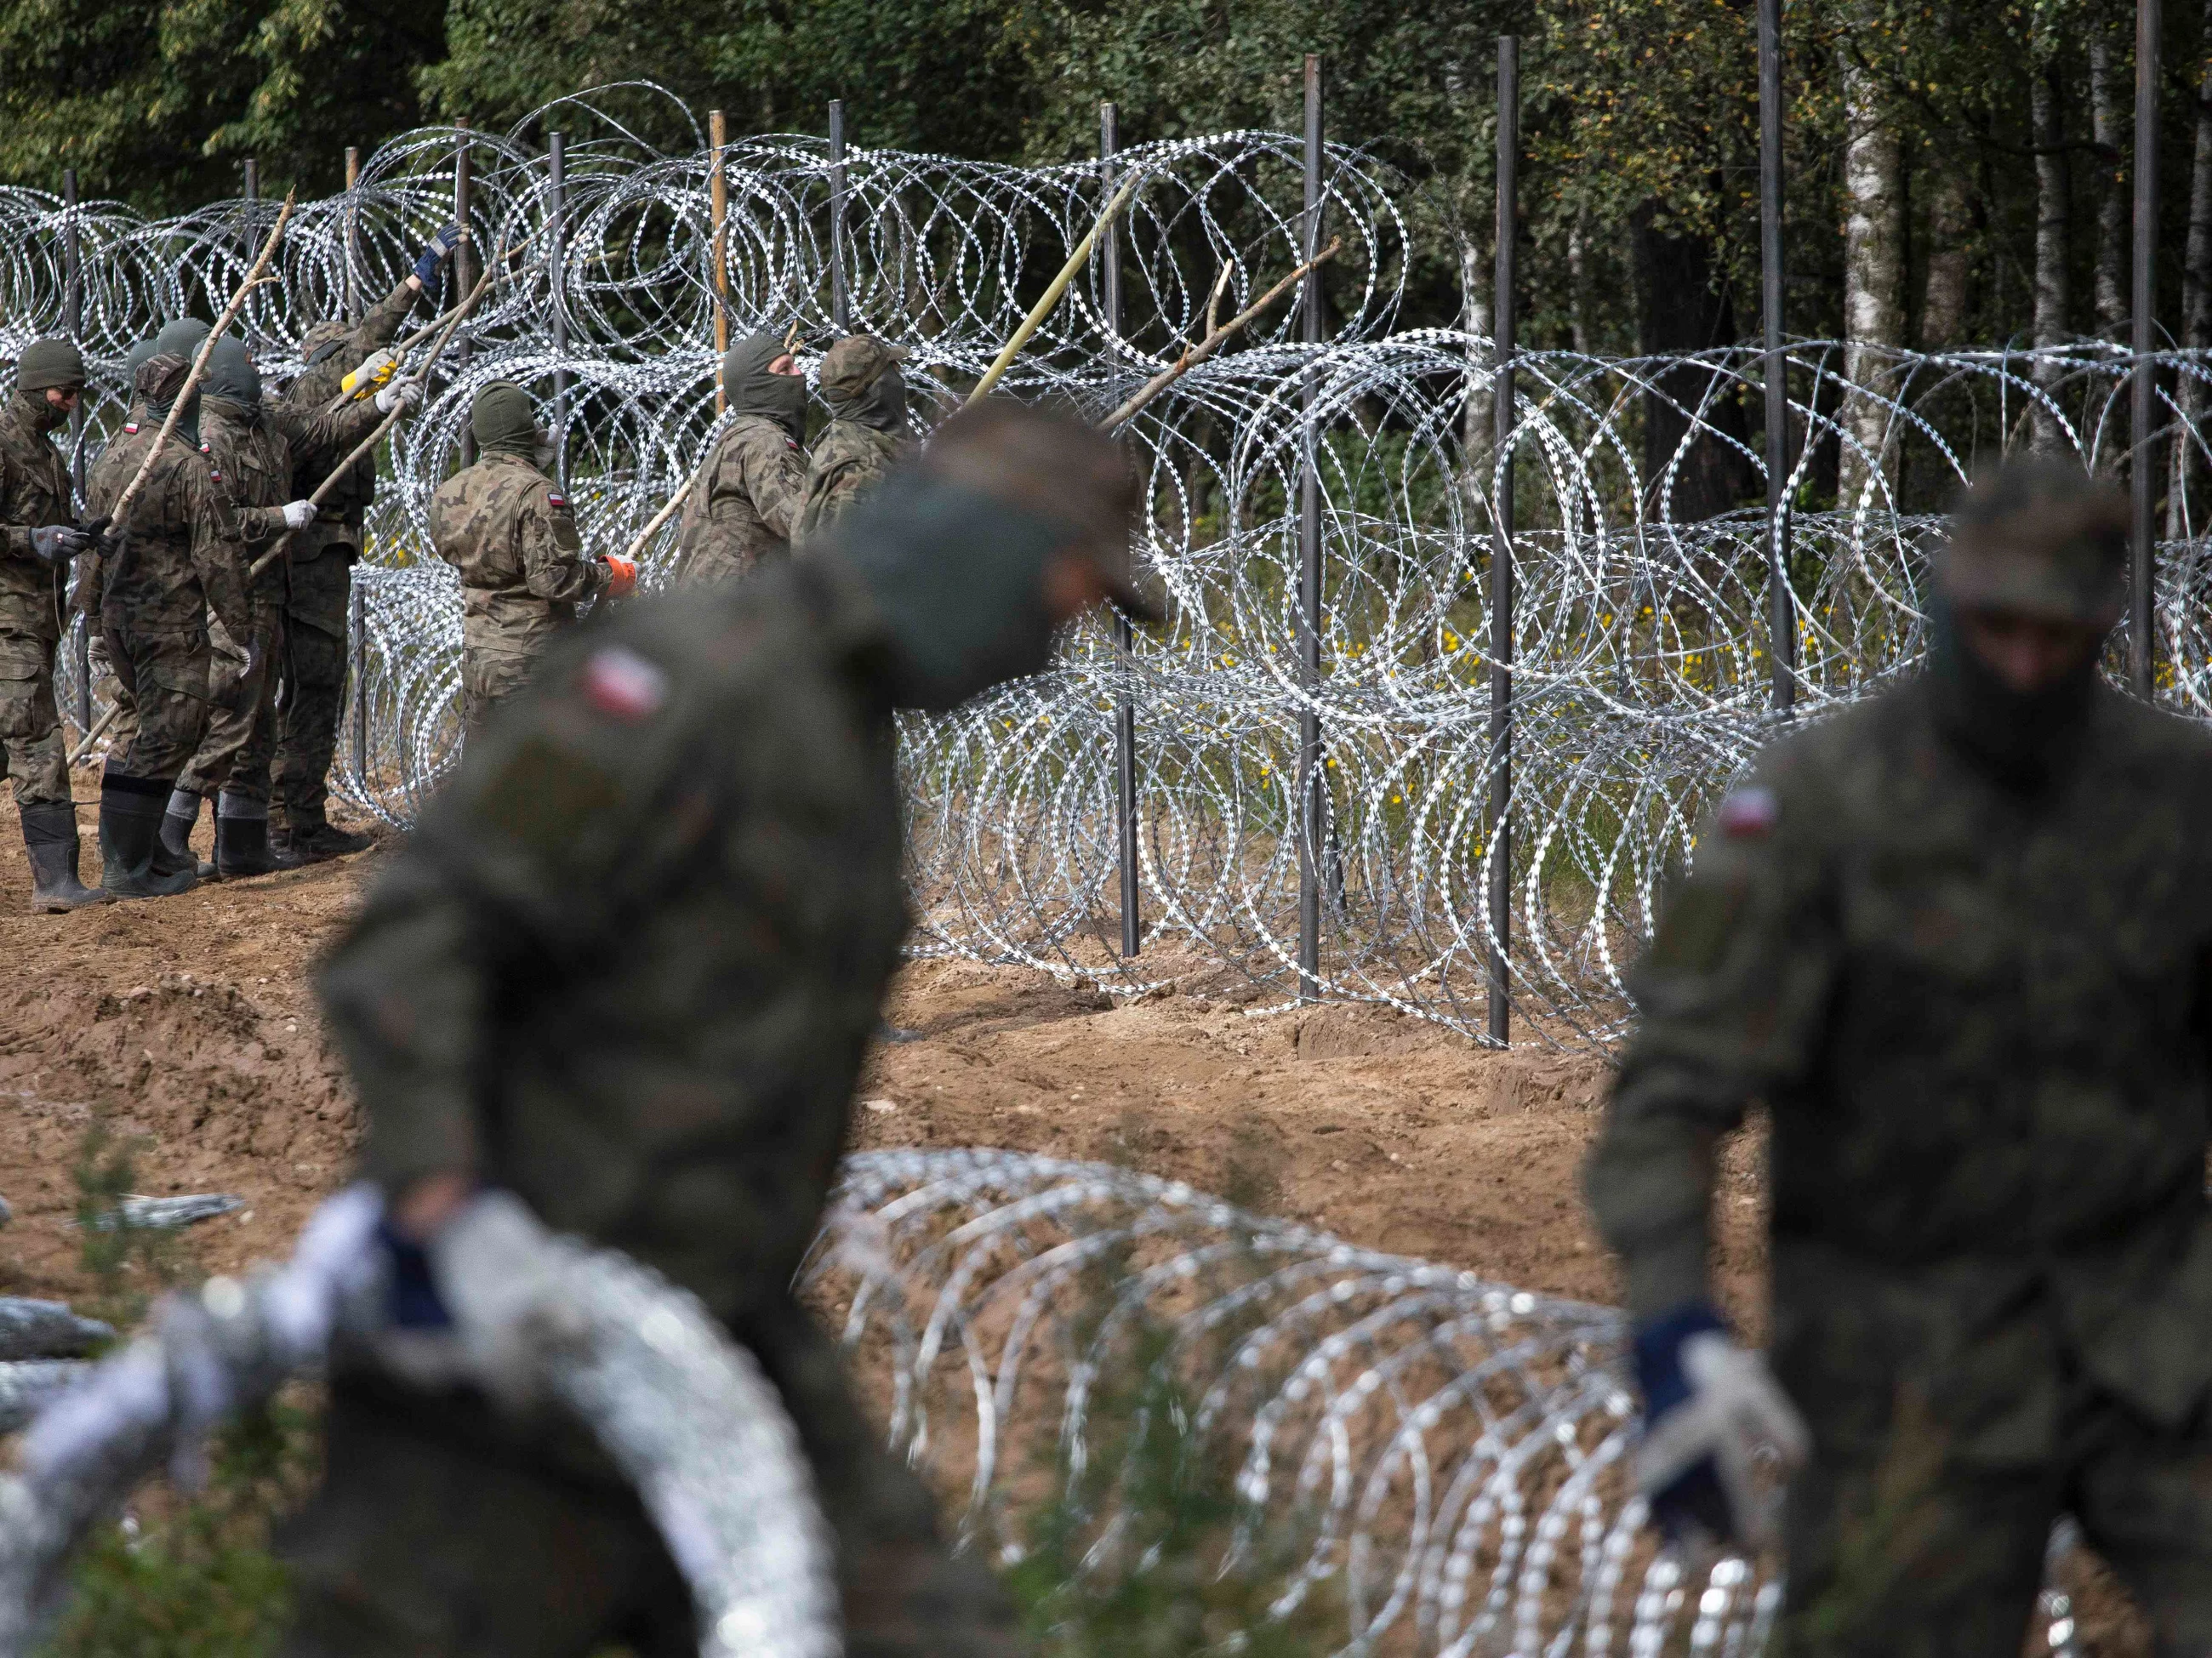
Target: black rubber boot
(130, 810)
(315, 843)
(241, 839)
(49, 836)
(175, 850)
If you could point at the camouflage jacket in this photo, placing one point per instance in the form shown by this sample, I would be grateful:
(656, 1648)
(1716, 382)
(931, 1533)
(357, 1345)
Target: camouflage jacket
(506, 527)
(848, 458)
(261, 461)
(744, 503)
(34, 491)
(182, 559)
(345, 509)
(628, 962)
(1982, 1024)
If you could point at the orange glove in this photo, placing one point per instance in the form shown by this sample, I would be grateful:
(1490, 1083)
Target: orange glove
(622, 577)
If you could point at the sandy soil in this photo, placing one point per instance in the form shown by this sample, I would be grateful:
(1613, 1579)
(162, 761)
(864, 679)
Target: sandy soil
(188, 1024)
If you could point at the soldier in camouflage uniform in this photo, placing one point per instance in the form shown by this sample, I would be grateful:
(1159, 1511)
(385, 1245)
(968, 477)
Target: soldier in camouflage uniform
(1957, 938)
(627, 967)
(867, 433)
(261, 452)
(176, 561)
(746, 498)
(39, 535)
(506, 527)
(317, 605)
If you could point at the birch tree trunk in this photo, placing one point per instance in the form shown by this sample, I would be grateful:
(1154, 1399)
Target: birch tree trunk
(1949, 303)
(1579, 276)
(2052, 300)
(1478, 434)
(2111, 197)
(1873, 279)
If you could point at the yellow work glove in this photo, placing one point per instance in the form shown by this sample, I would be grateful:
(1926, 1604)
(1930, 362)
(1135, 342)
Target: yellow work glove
(371, 376)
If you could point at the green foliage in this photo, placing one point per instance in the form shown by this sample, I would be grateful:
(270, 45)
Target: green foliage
(200, 1581)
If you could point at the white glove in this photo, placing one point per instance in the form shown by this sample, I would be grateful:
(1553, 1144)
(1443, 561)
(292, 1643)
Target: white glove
(298, 514)
(1736, 1411)
(408, 394)
(499, 1273)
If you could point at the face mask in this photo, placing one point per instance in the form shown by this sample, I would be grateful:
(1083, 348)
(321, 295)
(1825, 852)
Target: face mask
(752, 390)
(958, 578)
(45, 418)
(2021, 740)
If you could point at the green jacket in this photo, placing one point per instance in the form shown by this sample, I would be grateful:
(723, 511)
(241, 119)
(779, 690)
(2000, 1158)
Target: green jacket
(183, 559)
(849, 458)
(34, 491)
(345, 510)
(628, 962)
(508, 529)
(1982, 1026)
(744, 502)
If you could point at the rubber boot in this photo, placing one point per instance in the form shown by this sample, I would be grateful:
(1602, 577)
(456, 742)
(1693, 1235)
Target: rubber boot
(175, 851)
(313, 843)
(241, 837)
(49, 836)
(130, 810)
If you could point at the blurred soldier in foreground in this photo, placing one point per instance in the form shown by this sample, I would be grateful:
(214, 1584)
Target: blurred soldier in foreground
(260, 453)
(505, 524)
(320, 593)
(1957, 938)
(745, 500)
(175, 563)
(626, 968)
(868, 433)
(39, 536)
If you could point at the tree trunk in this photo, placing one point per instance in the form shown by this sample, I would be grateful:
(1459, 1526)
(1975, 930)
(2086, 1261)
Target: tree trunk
(1578, 296)
(2112, 203)
(1947, 305)
(2196, 306)
(1873, 279)
(2051, 296)
(1477, 436)
(1681, 308)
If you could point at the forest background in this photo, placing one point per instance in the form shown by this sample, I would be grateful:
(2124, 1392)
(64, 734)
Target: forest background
(1958, 173)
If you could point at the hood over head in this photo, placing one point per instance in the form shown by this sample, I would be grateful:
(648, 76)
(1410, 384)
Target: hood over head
(861, 382)
(159, 379)
(504, 422)
(750, 389)
(232, 376)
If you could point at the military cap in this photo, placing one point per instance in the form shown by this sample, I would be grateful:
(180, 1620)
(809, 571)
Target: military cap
(2040, 537)
(160, 378)
(48, 363)
(856, 362)
(1058, 468)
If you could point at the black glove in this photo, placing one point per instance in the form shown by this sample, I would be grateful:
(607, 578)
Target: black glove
(105, 536)
(57, 543)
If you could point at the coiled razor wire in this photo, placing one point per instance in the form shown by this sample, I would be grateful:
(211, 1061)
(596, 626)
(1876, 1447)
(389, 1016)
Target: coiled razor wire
(1642, 638)
(1421, 1460)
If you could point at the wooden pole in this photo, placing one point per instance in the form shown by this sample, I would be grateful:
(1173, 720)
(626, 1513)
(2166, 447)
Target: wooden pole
(1052, 292)
(352, 235)
(2142, 468)
(718, 214)
(1505, 331)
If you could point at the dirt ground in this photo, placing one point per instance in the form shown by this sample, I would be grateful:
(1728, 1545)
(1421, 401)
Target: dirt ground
(188, 1025)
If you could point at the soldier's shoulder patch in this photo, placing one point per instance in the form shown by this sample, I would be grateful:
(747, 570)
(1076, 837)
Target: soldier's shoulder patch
(555, 498)
(1749, 814)
(623, 685)
(130, 428)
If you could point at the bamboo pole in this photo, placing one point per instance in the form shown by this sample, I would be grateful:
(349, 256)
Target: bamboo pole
(1042, 308)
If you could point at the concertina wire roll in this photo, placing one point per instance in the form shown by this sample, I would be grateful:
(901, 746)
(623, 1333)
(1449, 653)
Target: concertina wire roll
(1641, 646)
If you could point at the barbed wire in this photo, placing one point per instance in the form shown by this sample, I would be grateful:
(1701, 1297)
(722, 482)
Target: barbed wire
(1642, 627)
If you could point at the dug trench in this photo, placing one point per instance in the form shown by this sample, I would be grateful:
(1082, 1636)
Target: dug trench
(187, 1028)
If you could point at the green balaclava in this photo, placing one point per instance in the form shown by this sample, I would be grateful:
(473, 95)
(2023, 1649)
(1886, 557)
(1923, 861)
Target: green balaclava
(749, 388)
(233, 378)
(2039, 539)
(44, 364)
(861, 382)
(182, 337)
(505, 422)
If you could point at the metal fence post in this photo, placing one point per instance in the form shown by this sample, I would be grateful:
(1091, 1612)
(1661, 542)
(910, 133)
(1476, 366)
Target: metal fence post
(1125, 707)
(557, 260)
(841, 302)
(251, 245)
(352, 235)
(359, 608)
(1311, 783)
(73, 304)
(2142, 467)
(717, 216)
(1774, 366)
(465, 276)
(1506, 341)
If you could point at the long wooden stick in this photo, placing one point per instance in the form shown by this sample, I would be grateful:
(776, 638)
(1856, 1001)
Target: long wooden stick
(1215, 339)
(93, 736)
(1042, 308)
(460, 314)
(400, 349)
(118, 514)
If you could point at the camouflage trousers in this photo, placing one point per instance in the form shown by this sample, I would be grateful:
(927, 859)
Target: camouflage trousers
(162, 676)
(442, 1530)
(235, 751)
(489, 677)
(1908, 1554)
(314, 678)
(30, 724)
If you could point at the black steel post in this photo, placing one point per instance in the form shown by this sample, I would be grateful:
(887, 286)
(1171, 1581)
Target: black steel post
(1125, 707)
(841, 302)
(1774, 368)
(556, 264)
(253, 246)
(1505, 334)
(1310, 826)
(2142, 469)
(465, 276)
(360, 631)
(73, 304)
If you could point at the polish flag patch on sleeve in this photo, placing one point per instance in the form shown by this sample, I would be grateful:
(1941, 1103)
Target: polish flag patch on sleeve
(1749, 814)
(554, 497)
(623, 685)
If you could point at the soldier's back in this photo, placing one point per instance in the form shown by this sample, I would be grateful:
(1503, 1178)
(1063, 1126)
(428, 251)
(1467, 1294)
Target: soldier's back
(744, 504)
(848, 460)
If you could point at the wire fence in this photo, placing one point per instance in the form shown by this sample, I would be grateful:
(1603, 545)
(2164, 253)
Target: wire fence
(1642, 625)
